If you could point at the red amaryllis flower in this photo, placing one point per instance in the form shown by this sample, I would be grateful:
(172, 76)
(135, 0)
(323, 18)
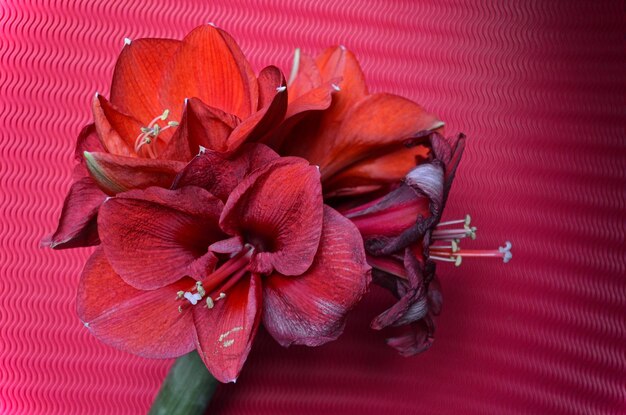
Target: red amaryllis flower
(359, 142)
(181, 269)
(203, 84)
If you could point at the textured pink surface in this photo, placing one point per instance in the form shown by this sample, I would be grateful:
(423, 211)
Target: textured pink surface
(538, 87)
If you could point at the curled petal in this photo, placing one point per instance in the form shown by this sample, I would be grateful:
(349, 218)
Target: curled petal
(415, 338)
(137, 76)
(338, 62)
(220, 172)
(278, 210)
(273, 105)
(378, 124)
(375, 173)
(116, 174)
(146, 323)
(88, 140)
(225, 332)
(117, 130)
(154, 237)
(208, 65)
(412, 293)
(310, 309)
(200, 126)
(77, 225)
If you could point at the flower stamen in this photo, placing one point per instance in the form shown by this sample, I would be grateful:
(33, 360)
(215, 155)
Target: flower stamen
(150, 134)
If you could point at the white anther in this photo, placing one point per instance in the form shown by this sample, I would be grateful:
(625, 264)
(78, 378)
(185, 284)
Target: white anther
(209, 302)
(455, 246)
(506, 250)
(281, 88)
(180, 294)
(202, 150)
(192, 298)
(165, 114)
(127, 41)
(336, 87)
(458, 260)
(468, 219)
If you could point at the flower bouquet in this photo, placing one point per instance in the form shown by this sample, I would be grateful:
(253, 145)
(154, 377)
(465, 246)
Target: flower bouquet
(219, 200)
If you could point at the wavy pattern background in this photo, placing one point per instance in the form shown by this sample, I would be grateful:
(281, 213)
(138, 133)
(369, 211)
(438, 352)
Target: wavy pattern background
(538, 87)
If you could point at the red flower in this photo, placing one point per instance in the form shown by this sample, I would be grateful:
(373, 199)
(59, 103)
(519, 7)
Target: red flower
(359, 141)
(397, 230)
(202, 83)
(183, 269)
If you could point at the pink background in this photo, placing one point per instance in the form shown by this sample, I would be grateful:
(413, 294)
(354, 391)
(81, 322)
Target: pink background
(539, 88)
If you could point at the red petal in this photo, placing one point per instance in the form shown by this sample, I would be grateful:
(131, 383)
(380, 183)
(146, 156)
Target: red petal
(375, 172)
(146, 323)
(88, 140)
(154, 237)
(377, 124)
(310, 309)
(278, 210)
(116, 174)
(225, 332)
(219, 173)
(307, 78)
(77, 225)
(273, 104)
(118, 132)
(137, 76)
(201, 126)
(209, 66)
(338, 62)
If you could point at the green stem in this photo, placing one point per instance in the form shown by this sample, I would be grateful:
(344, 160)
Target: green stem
(187, 389)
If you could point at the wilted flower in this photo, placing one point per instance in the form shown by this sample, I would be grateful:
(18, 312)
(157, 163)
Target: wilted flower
(401, 231)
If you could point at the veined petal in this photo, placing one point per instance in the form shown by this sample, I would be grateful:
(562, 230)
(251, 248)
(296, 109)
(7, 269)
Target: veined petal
(117, 131)
(154, 237)
(146, 323)
(310, 309)
(308, 77)
(201, 126)
(338, 62)
(137, 76)
(220, 172)
(225, 332)
(371, 127)
(210, 67)
(116, 174)
(77, 225)
(272, 104)
(375, 173)
(278, 210)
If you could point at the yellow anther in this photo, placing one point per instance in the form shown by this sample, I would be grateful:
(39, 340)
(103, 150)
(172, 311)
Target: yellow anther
(165, 114)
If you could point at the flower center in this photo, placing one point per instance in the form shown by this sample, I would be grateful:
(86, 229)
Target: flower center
(453, 236)
(150, 134)
(215, 286)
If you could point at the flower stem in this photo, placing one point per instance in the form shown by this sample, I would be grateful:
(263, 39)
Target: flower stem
(187, 389)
